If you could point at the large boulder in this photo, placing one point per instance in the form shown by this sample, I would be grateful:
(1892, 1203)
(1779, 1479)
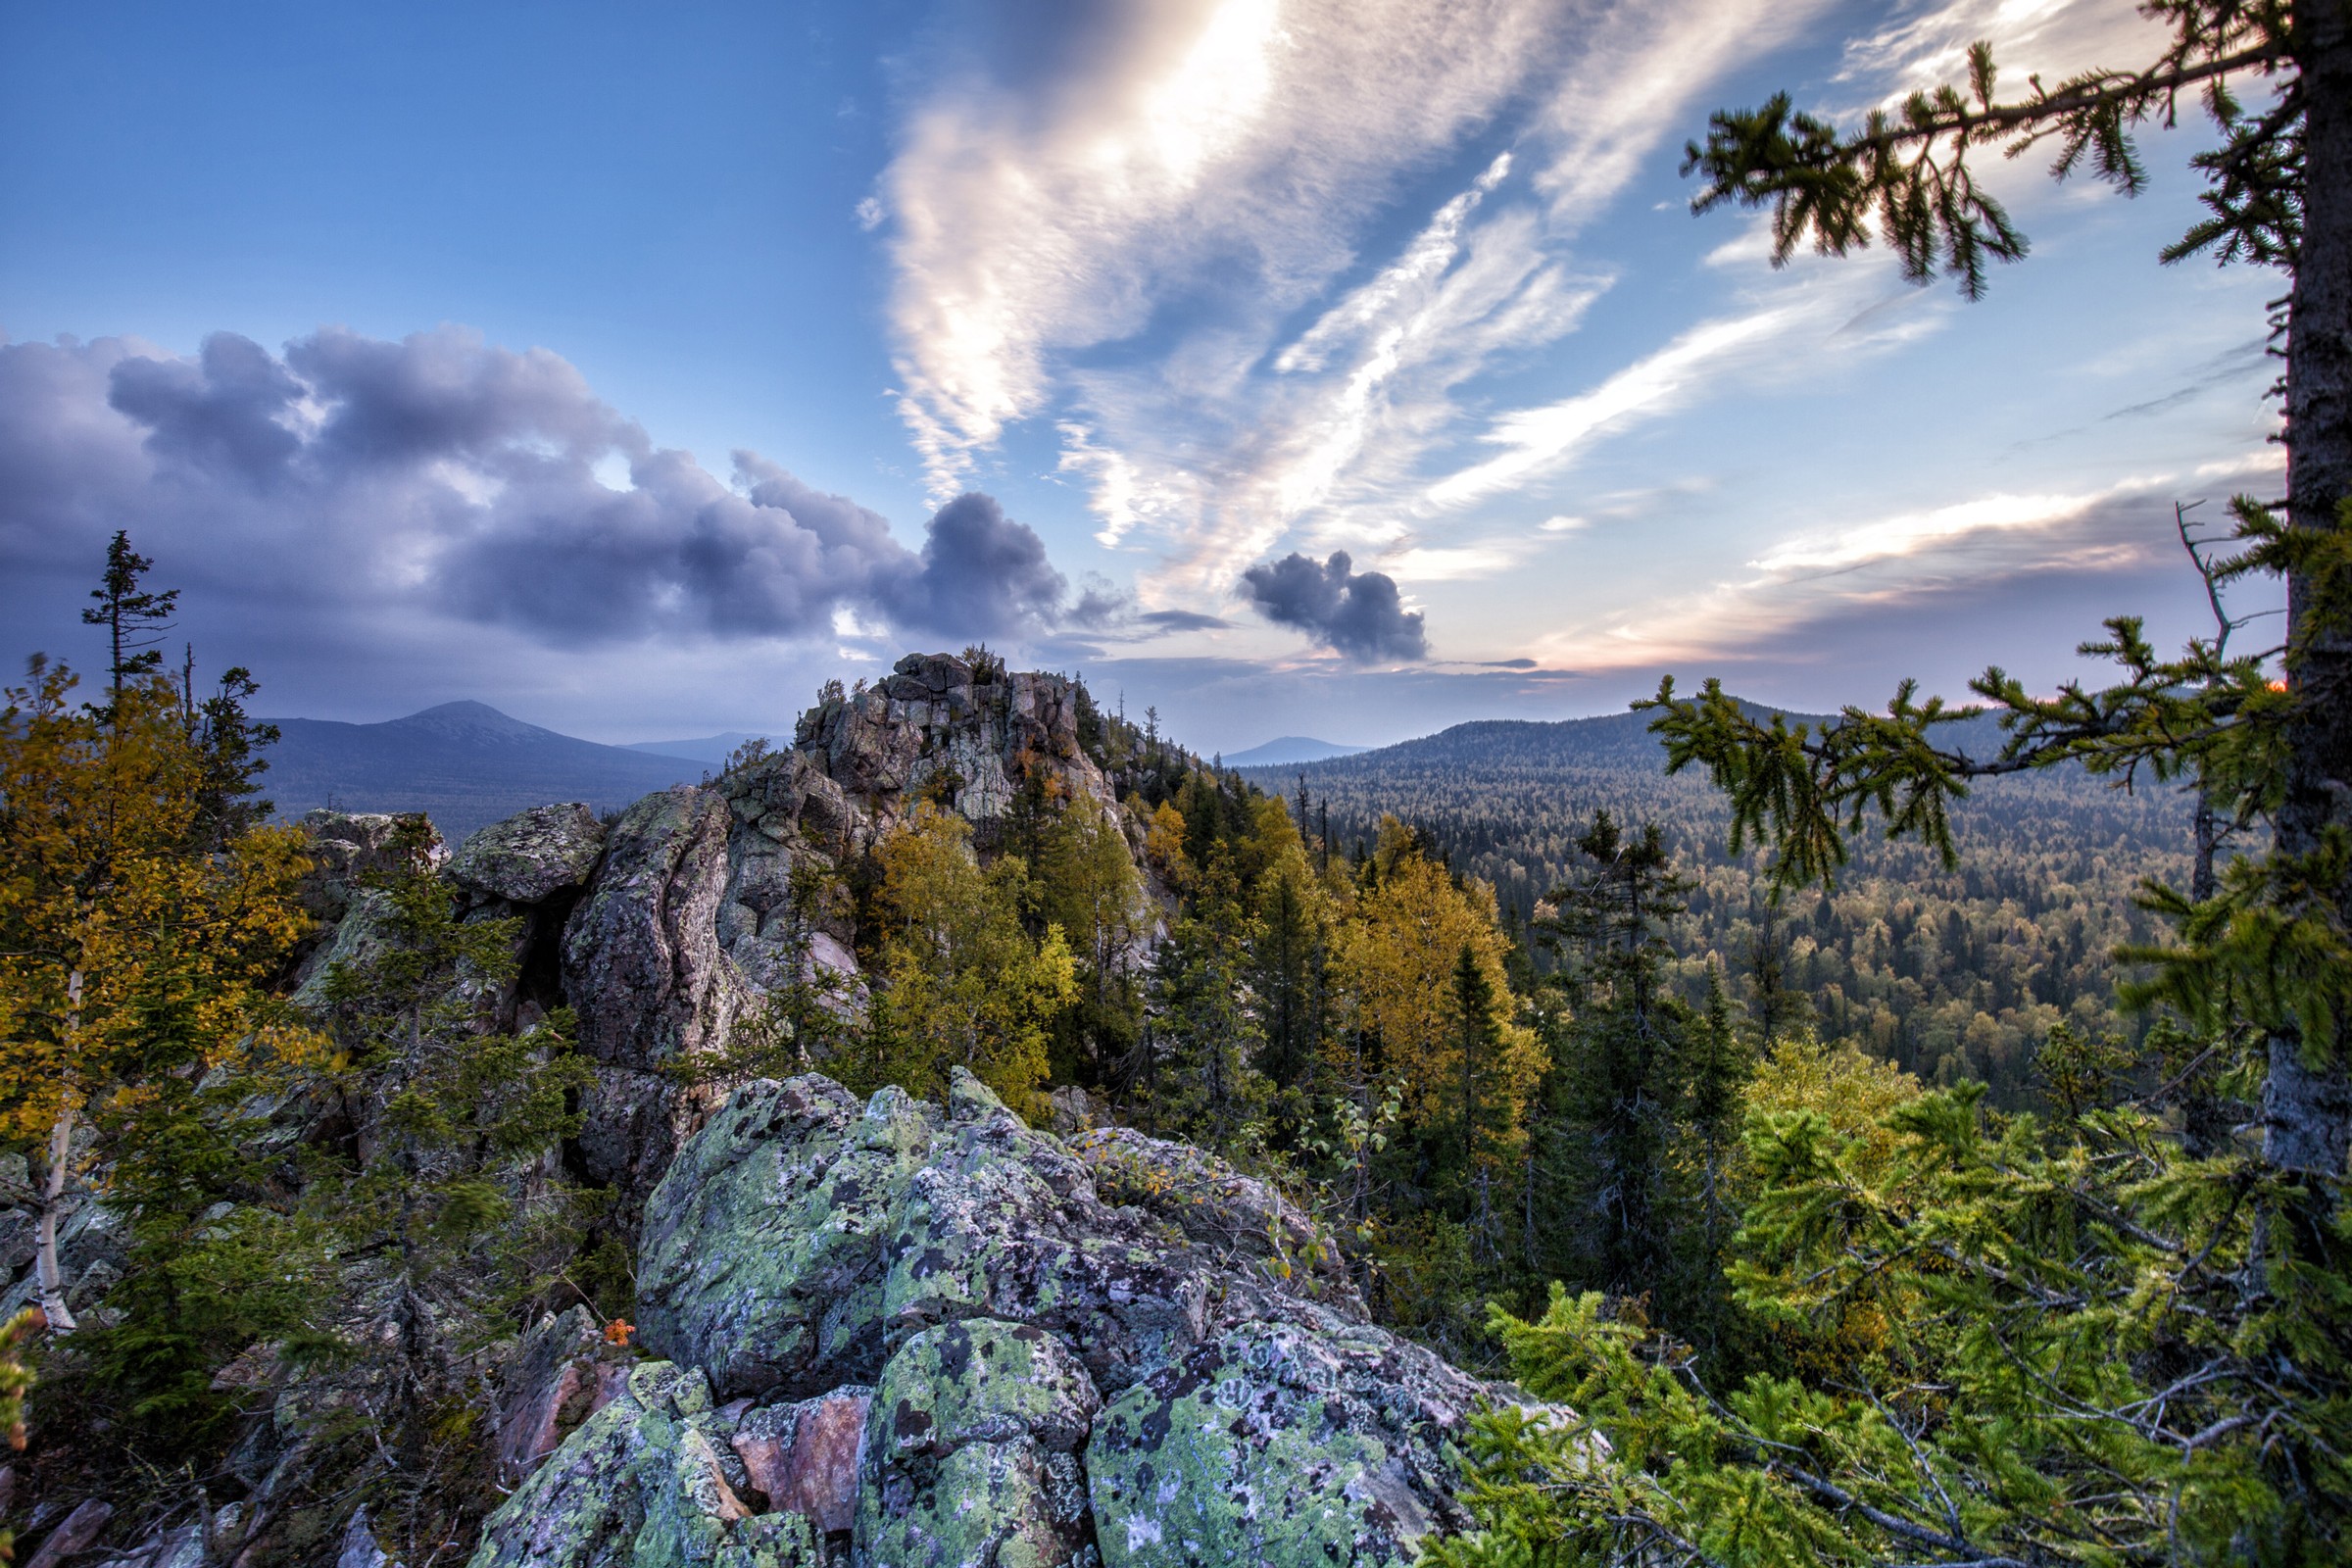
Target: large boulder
(1034, 1372)
(530, 856)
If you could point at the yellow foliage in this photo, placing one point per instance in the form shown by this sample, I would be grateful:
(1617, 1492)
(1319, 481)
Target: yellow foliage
(1851, 1090)
(113, 924)
(1163, 841)
(961, 982)
(1396, 959)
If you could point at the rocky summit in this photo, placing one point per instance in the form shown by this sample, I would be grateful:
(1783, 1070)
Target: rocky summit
(892, 1334)
(875, 1331)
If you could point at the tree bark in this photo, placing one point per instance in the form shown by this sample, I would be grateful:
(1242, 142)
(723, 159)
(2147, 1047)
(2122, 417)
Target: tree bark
(2307, 1100)
(48, 1275)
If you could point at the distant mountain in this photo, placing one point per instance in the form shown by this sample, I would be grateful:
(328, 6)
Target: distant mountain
(1506, 746)
(1288, 750)
(464, 765)
(711, 749)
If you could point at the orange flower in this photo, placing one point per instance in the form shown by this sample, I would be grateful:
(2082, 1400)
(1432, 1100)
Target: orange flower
(617, 1331)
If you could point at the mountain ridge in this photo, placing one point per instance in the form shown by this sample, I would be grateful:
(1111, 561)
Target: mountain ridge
(465, 763)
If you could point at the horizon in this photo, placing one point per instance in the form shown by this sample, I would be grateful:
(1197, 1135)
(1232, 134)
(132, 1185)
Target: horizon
(1148, 343)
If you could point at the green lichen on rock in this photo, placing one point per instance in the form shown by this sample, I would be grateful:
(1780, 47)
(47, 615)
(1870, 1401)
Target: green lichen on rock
(1261, 1449)
(643, 1483)
(981, 1381)
(968, 1448)
(986, 1505)
(761, 1259)
(803, 1248)
(532, 856)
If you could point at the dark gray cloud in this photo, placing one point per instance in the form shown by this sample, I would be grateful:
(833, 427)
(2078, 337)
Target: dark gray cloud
(446, 475)
(982, 574)
(1359, 615)
(1105, 607)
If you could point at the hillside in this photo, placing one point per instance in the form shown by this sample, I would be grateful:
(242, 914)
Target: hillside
(1288, 749)
(465, 765)
(1949, 973)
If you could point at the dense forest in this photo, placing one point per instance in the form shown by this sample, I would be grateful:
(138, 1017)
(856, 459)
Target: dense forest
(1949, 973)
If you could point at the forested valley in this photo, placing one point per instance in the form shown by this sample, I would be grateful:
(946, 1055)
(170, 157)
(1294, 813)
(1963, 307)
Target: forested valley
(1950, 973)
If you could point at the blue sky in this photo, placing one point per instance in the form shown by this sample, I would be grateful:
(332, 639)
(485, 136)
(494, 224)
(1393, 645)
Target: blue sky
(420, 344)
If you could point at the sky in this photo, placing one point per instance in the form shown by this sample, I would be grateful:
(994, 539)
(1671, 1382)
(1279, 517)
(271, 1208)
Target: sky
(1345, 369)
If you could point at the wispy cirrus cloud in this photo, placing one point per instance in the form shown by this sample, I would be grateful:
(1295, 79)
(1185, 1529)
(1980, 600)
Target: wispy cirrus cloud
(1038, 215)
(1192, 174)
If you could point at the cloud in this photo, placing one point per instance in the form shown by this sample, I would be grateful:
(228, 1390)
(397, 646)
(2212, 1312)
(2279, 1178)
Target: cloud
(446, 477)
(1183, 620)
(1541, 441)
(1359, 616)
(1207, 189)
(1046, 198)
(982, 574)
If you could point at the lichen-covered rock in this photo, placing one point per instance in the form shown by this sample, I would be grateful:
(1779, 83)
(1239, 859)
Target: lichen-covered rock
(1281, 1442)
(645, 1483)
(981, 1381)
(985, 1505)
(1246, 1221)
(763, 1250)
(1052, 1372)
(532, 855)
(969, 1448)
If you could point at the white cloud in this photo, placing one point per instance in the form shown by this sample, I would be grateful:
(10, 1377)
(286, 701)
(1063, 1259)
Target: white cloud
(1541, 441)
(1890, 538)
(1225, 134)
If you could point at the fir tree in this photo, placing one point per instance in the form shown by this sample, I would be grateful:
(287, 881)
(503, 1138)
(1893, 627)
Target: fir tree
(134, 616)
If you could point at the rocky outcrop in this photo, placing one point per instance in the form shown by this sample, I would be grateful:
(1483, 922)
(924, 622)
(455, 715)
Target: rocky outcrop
(1037, 1372)
(939, 729)
(562, 1372)
(643, 971)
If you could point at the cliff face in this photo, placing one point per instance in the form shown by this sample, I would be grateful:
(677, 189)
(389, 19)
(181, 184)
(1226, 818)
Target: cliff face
(690, 915)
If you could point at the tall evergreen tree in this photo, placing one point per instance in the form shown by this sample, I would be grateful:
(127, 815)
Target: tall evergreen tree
(1623, 1048)
(134, 615)
(2278, 194)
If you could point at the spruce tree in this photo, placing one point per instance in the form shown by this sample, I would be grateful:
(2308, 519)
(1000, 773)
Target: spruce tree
(1621, 1052)
(134, 616)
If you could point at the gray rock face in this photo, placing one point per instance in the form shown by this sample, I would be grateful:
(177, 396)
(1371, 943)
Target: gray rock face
(532, 855)
(643, 969)
(1044, 1376)
(934, 730)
